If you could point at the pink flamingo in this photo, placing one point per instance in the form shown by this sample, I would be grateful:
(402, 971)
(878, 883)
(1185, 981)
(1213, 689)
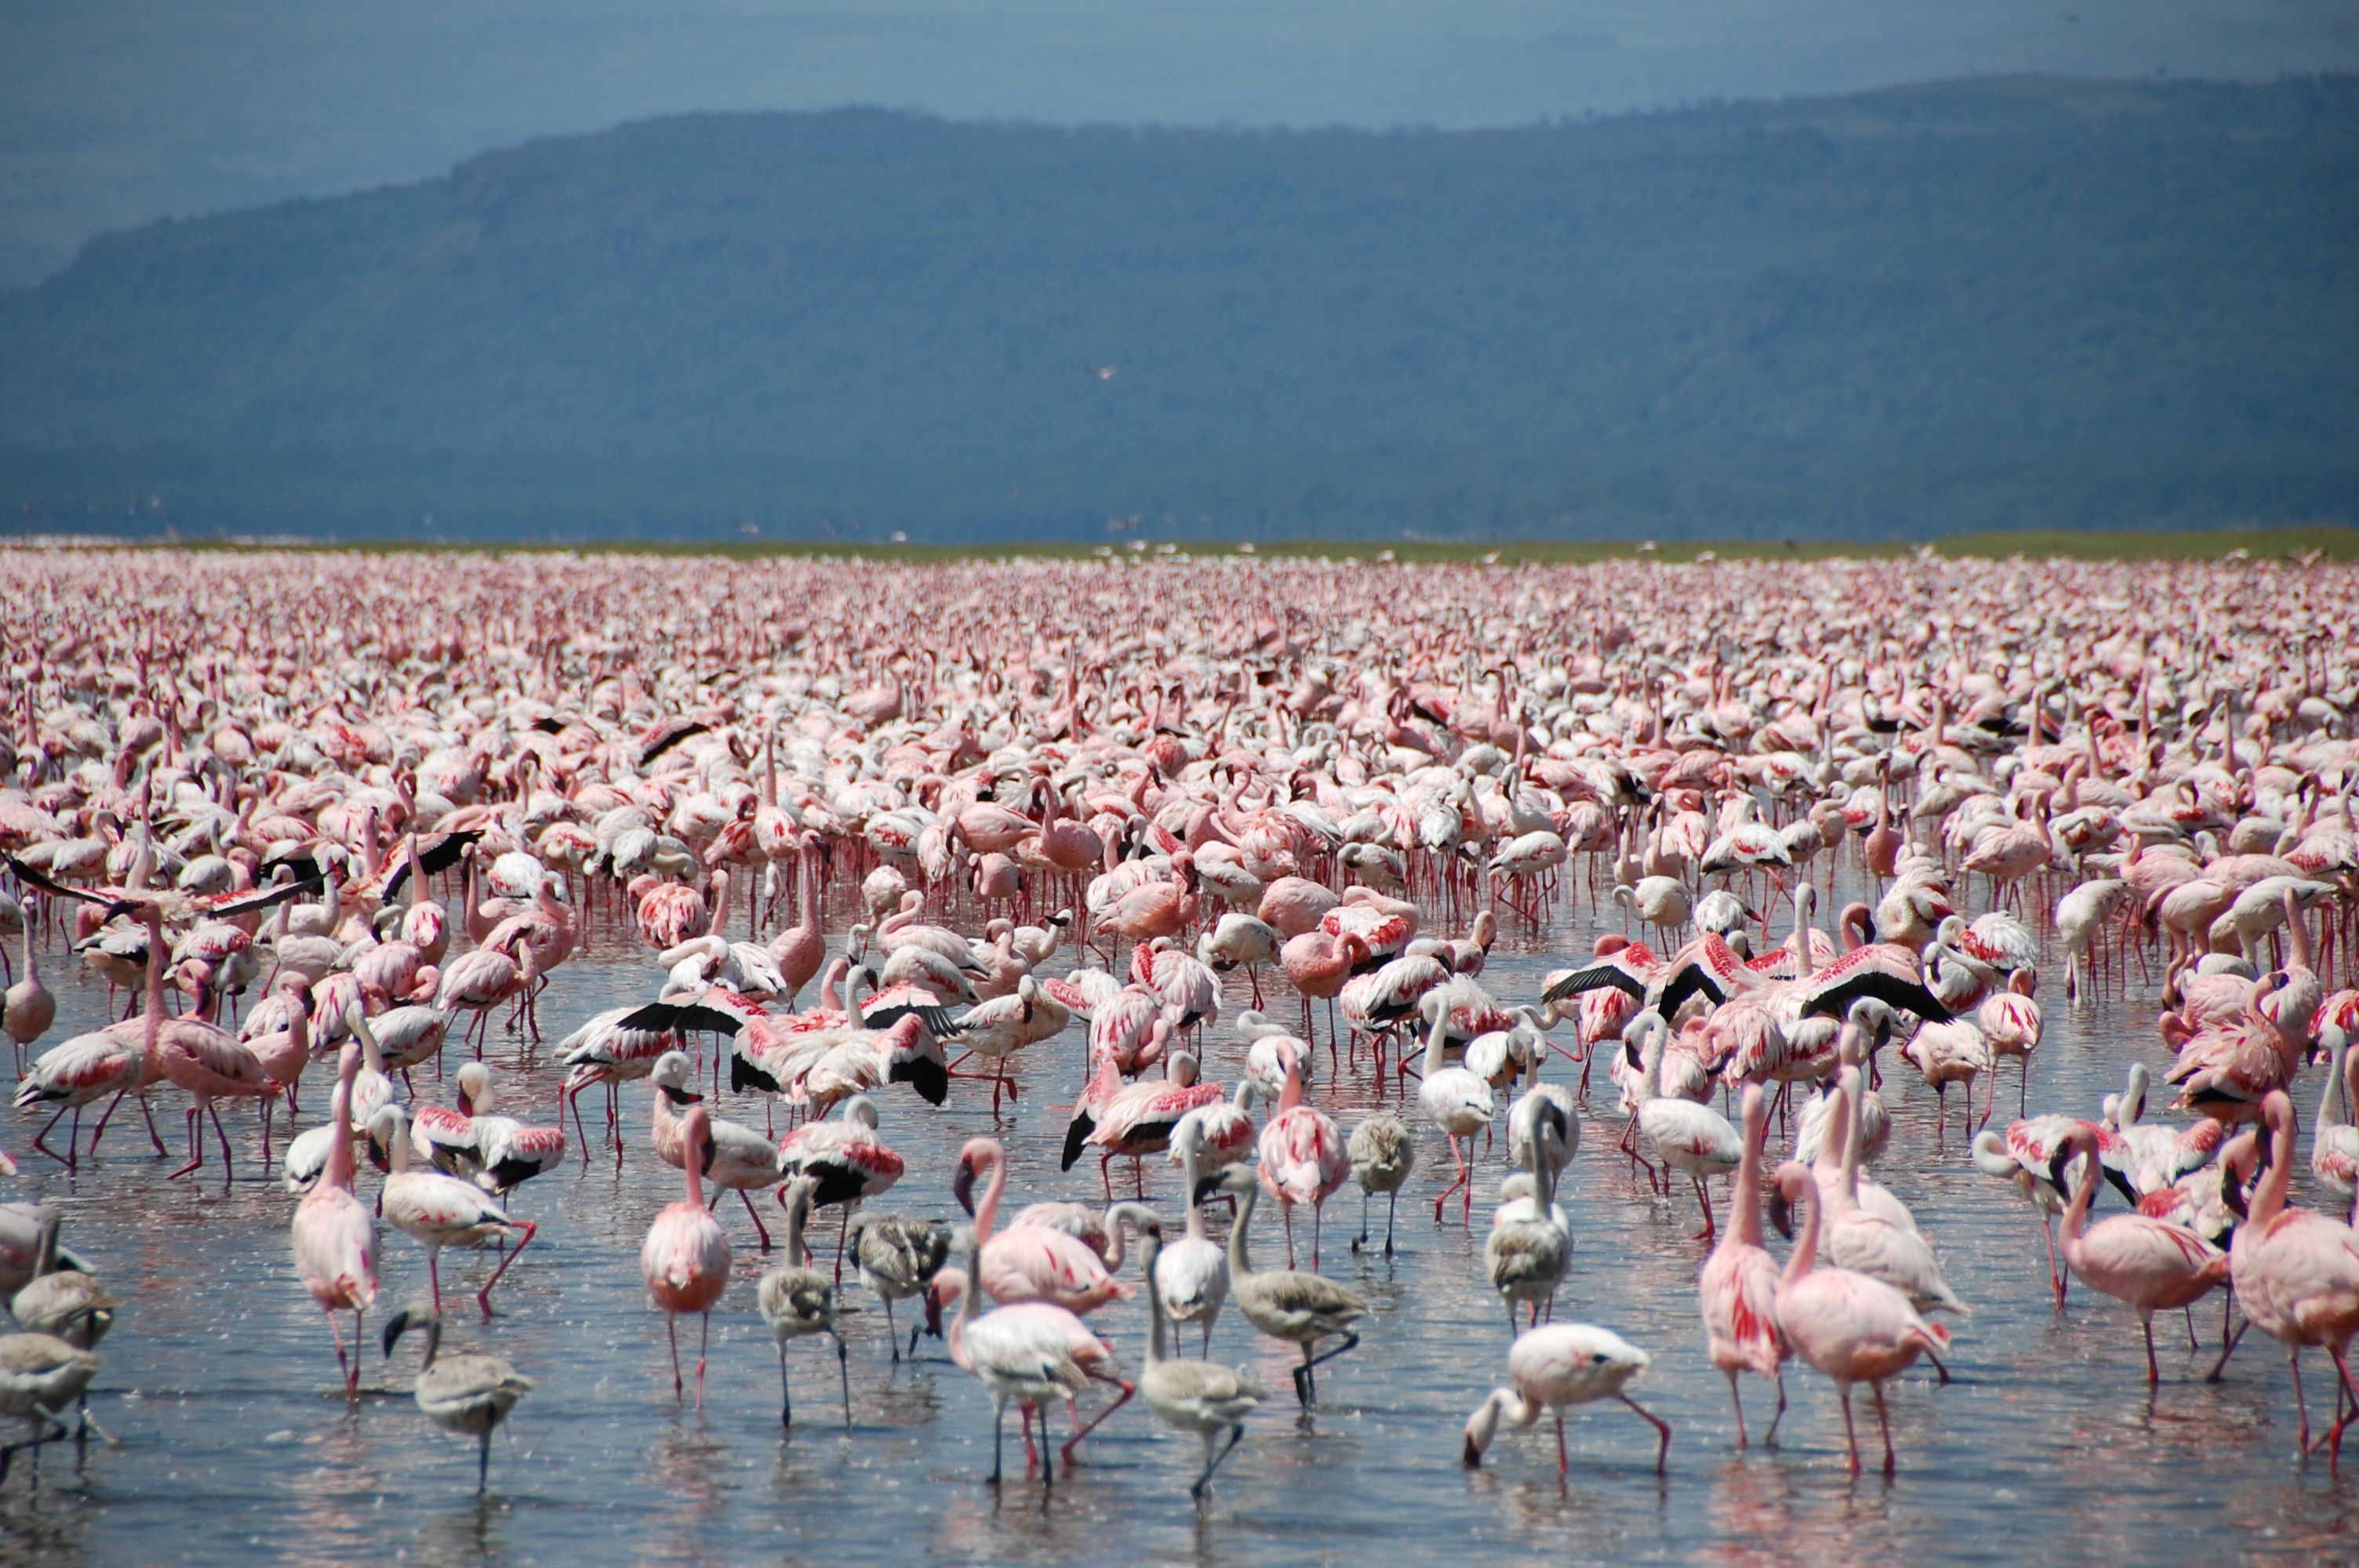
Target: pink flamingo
(1027, 1262)
(1136, 1119)
(801, 947)
(2297, 1272)
(484, 980)
(439, 1210)
(685, 1258)
(1029, 1351)
(334, 1234)
(1738, 1287)
(210, 1062)
(1556, 1365)
(1853, 1328)
(1317, 964)
(2153, 1265)
(1303, 1160)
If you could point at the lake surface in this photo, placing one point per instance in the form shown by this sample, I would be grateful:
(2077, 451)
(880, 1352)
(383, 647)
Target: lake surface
(236, 1443)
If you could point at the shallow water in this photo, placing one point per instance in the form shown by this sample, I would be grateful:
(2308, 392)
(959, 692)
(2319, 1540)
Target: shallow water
(236, 1443)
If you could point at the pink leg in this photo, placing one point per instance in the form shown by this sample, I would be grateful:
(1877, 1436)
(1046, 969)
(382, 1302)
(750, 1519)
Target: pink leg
(483, 1296)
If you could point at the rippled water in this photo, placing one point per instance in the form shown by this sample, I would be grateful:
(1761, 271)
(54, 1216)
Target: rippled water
(236, 1443)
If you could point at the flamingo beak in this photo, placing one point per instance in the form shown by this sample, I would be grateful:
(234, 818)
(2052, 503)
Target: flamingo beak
(963, 1187)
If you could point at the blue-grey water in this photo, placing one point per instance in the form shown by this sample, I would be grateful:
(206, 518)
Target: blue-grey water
(236, 1443)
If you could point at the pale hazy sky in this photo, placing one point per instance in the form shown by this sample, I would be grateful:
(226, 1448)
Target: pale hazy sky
(115, 112)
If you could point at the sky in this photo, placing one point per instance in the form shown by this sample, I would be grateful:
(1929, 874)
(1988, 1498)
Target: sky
(114, 112)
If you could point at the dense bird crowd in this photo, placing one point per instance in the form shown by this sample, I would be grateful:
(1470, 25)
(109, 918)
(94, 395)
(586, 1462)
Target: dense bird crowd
(1113, 798)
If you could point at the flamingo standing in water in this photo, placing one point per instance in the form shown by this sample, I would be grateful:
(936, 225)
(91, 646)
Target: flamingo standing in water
(1454, 1099)
(1027, 1262)
(1552, 1367)
(2297, 1272)
(1028, 1351)
(1738, 1287)
(334, 1234)
(2150, 1263)
(1303, 1158)
(207, 1061)
(1852, 1327)
(685, 1258)
(440, 1210)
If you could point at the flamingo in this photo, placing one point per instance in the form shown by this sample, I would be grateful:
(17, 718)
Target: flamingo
(439, 1210)
(1695, 1138)
(1553, 1368)
(1189, 1280)
(1027, 1262)
(1382, 1154)
(334, 1233)
(1303, 1160)
(471, 1393)
(1026, 1351)
(2153, 1265)
(1526, 1254)
(1296, 1308)
(798, 1301)
(1850, 1327)
(2296, 1271)
(1454, 1099)
(210, 1062)
(897, 1259)
(1738, 1287)
(685, 1258)
(1193, 1395)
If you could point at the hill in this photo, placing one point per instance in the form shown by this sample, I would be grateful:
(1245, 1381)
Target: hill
(2017, 302)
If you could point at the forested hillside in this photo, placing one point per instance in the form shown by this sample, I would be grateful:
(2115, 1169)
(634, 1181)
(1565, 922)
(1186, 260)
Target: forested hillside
(1988, 304)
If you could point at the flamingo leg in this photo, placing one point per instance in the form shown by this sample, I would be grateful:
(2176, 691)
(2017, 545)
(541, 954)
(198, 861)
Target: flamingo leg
(1851, 1434)
(671, 1332)
(759, 1229)
(704, 1335)
(1213, 1461)
(222, 1133)
(1663, 1430)
(786, 1393)
(1737, 1400)
(1882, 1419)
(67, 1159)
(843, 1377)
(196, 1149)
(1391, 1214)
(1769, 1439)
(1099, 1420)
(344, 1363)
(483, 1296)
(998, 1431)
(1460, 1180)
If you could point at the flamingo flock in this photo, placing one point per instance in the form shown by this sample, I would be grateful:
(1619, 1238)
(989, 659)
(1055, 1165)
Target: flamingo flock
(1025, 823)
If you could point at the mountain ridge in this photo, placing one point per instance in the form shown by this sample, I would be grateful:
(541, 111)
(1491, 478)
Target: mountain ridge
(2007, 300)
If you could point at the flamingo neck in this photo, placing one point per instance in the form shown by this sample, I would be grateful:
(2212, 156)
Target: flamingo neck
(1292, 1095)
(692, 1160)
(2076, 1213)
(1240, 1264)
(797, 1213)
(1854, 1118)
(1746, 1231)
(2270, 1200)
(1188, 1173)
(986, 1212)
(340, 1149)
(155, 981)
(1156, 1328)
(1806, 1245)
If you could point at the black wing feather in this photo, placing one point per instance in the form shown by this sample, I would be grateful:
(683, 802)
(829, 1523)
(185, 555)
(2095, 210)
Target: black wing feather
(1595, 978)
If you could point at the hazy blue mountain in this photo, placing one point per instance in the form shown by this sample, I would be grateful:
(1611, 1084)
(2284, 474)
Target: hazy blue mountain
(2016, 301)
